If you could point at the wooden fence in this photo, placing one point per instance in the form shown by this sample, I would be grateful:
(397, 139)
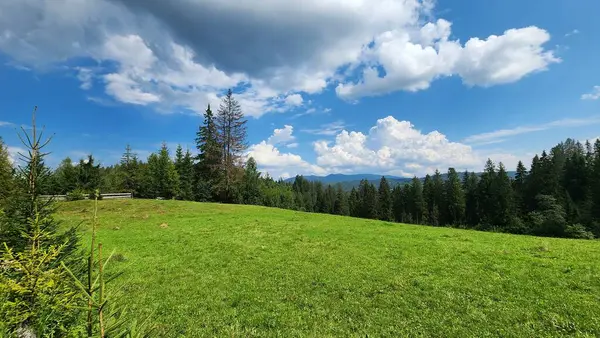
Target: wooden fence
(118, 195)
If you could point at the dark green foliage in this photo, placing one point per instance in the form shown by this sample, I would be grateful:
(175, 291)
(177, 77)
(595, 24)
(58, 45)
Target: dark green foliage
(455, 199)
(184, 165)
(251, 184)
(341, 206)
(367, 200)
(88, 174)
(6, 173)
(470, 188)
(163, 176)
(385, 200)
(36, 297)
(131, 172)
(210, 156)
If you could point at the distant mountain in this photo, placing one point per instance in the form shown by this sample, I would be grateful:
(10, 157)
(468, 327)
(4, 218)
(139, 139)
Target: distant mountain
(339, 178)
(352, 181)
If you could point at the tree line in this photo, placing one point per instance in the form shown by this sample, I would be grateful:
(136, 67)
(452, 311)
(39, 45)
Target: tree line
(558, 195)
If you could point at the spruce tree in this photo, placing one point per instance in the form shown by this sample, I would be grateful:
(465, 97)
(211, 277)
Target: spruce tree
(184, 164)
(385, 200)
(503, 195)
(163, 175)
(397, 203)
(367, 196)
(252, 189)
(341, 206)
(487, 195)
(65, 177)
(438, 198)
(470, 187)
(6, 173)
(130, 171)
(354, 203)
(329, 197)
(209, 160)
(88, 174)
(231, 129)
(455, 198)
(520, 189)
(429, 198)
(417, 206)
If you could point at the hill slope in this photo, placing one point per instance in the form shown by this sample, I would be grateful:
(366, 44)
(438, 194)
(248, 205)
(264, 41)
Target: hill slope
(227, 270)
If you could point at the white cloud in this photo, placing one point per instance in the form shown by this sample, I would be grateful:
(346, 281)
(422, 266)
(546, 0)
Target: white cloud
(412, 61)
(573, 32)
(13, 153)
(292, 145)
(393, 146)
(294, 100)
(328, 129)
(6, 124)
(85, 75)
(162, 59)
(282, 136)
(498, 136)
(593, 95)
(270, 160)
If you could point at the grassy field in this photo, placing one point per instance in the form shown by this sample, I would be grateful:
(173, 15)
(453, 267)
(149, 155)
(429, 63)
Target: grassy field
(227, 270)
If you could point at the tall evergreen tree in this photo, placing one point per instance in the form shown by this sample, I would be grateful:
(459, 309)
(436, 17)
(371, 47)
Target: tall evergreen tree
(438, 199)
(65, 177)
(520, 189)
(6, 173)
(385, 200)
(397, 203)
(130, 171)
(503, 195)
(210, 159)
(470, 187)
(163, 175)
(417, 206)
(252, 189)
(486, 194)
(341, 206)
(354, 203)
(367, 196)
(429, 198)
(455, 198)
(88, 174)
(184, 164)
(231, 127)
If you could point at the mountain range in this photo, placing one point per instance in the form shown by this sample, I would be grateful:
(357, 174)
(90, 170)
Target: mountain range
(351, 181)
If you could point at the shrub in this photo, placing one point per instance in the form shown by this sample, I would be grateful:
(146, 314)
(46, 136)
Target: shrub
(75, 195)
(578, 231)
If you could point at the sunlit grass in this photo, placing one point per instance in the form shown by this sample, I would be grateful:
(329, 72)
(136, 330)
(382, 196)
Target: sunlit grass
(228, 270)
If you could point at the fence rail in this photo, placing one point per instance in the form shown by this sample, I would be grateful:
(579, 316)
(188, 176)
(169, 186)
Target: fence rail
(118, 195)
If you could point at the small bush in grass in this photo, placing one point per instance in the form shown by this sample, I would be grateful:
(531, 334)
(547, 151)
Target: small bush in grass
(578, 231)
(75, 195)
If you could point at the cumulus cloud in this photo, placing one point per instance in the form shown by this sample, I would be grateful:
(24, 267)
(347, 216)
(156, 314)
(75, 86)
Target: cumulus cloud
(412, 61)
(593, 95)
(183, 55)
(282, 136)
(294, 100)
(270, 160)
(393, 146)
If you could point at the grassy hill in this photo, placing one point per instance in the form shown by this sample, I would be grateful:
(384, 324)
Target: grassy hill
(228, 270)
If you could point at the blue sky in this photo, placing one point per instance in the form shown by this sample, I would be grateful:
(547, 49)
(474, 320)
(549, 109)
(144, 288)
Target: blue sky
(379, 86)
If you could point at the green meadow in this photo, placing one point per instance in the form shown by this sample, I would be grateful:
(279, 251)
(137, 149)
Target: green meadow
(202, 269)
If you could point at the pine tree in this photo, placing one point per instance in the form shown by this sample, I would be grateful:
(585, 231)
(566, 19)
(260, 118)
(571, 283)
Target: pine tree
(252, 189)
(385, 200)
(88, 174)
(438, 198)
(184, 165)
(163, 175)
(470, 187)
(429, 198)
(417, 207)
(367, 196)
(329, 200)
(503, 195)
(6, 173)
(397, 203)
(576, 183)
(65, 177)
(520, 189)
(595, 182)
(210, 159)
(231, 127)
(341, 206)
(130, 171)
(455, 198)
(38, 299)
(486, 194)
(354, 203)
